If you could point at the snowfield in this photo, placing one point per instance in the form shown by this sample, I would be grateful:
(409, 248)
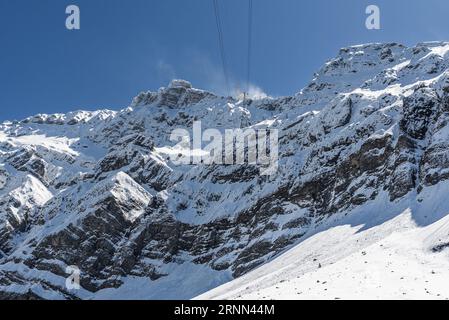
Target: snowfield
(380, 252)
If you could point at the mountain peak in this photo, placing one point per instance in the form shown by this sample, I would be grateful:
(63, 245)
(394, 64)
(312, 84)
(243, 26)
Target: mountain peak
(178, 83)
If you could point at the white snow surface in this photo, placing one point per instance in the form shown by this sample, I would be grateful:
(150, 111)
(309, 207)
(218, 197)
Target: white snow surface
(382, 251)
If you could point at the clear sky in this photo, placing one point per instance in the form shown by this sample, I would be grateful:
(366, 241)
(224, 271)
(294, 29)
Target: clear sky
(127, 46)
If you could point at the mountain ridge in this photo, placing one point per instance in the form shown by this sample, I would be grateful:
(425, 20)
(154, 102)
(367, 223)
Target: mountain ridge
(99, 190)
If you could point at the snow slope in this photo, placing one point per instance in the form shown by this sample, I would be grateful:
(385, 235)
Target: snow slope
(358, 257)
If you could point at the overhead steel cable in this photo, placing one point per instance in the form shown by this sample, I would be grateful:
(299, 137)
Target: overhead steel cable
(250, 32)
(221, 44)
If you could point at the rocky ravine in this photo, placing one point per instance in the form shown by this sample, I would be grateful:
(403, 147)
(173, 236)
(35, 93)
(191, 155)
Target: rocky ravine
(98, 190)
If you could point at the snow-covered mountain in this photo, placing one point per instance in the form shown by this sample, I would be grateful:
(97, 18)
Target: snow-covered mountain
(359, 197)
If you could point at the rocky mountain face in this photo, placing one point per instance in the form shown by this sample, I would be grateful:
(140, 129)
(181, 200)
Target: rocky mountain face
(100, 190)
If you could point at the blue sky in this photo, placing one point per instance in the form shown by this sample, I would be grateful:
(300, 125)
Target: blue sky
(125, 47)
